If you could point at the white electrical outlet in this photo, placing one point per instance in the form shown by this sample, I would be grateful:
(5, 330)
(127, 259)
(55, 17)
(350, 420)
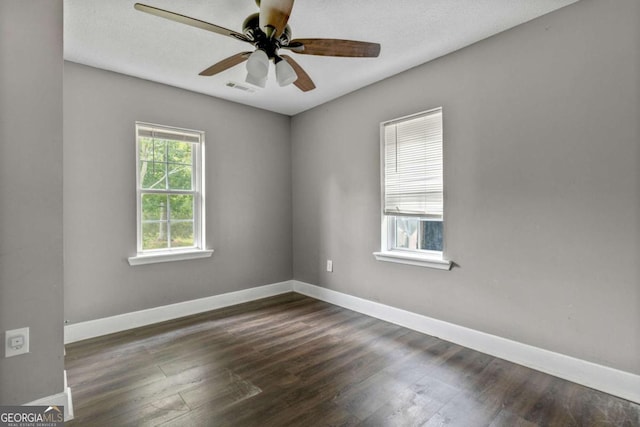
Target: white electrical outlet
(16, 342)
(329, 265)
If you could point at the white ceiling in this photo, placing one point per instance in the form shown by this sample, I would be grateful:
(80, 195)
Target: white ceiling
(112, 35)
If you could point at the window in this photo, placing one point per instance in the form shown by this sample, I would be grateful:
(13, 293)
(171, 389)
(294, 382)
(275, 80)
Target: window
(170, 194)
(412, 190)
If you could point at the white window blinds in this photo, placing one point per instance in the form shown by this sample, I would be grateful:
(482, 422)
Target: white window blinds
(413, 165)
(145, 131)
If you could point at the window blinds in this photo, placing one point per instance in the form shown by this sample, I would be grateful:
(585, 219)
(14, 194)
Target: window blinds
(413, 165)
(168, 134)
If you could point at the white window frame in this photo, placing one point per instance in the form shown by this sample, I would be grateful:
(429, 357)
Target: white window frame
(388, 251)
(199, 248)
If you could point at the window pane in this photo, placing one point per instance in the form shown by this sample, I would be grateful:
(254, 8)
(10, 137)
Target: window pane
(179, 177)
(154, 235)
(182, 234)
(406, 232)
(159, 150)
(431, 236)
(153, 175)
(145, 148)
(154, 207)
(180, 152)
(154, 221)
(181, 207)
(414, 233)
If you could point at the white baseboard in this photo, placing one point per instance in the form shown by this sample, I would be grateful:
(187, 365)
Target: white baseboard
(109, 325)
(59, 399)
(603, 378)
(612, 381)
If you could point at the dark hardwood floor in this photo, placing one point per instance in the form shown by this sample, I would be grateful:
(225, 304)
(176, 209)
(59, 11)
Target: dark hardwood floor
(293, 360)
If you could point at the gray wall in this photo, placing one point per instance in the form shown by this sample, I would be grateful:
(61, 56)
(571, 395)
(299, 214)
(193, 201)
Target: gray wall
(248, 185)
(542, 161)
(31, 196)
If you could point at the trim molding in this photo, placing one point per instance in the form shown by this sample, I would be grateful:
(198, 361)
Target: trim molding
(609, 380)
(108, 325)
(59, 399)
(612, 381)
(166, 256)
(413, 259)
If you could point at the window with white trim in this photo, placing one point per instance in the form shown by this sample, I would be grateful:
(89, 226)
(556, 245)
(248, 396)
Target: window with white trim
(413, 189)
(170, 192)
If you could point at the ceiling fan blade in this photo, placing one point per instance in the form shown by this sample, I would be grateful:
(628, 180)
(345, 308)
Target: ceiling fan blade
(334, 47)
(304, 82)
(226, 63)
(274, 15)
(189, 21)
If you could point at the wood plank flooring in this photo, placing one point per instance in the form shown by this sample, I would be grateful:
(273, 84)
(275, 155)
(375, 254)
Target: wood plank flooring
(294, 361)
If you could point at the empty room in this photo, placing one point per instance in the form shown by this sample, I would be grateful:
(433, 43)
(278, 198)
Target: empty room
(273, 213)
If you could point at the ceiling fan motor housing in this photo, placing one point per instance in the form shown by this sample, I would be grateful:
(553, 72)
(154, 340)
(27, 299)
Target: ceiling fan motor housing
(251, 28)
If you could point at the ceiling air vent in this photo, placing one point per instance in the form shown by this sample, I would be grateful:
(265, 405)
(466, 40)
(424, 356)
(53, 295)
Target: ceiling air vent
(240, 87)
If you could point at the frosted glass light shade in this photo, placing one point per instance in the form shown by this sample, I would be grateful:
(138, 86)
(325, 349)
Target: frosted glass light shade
(258, 64)
(260, 82)
(285, 74)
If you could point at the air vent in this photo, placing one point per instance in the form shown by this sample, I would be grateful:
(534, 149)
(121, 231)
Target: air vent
(240, 87)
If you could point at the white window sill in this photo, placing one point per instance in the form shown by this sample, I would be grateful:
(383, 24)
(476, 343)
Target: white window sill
(421, 260)
(155, 257)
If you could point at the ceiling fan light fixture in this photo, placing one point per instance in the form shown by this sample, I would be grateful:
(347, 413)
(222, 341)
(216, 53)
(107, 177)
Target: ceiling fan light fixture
(285, 74)
(256, 81)
(258, 65)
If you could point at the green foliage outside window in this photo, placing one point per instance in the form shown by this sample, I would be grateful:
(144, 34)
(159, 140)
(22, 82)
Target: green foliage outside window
(167, 219)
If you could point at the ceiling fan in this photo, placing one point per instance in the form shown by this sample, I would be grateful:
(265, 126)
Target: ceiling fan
(268, 32)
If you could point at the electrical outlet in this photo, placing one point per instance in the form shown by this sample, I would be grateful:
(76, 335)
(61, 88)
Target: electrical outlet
(329, 266)
(16, 342)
